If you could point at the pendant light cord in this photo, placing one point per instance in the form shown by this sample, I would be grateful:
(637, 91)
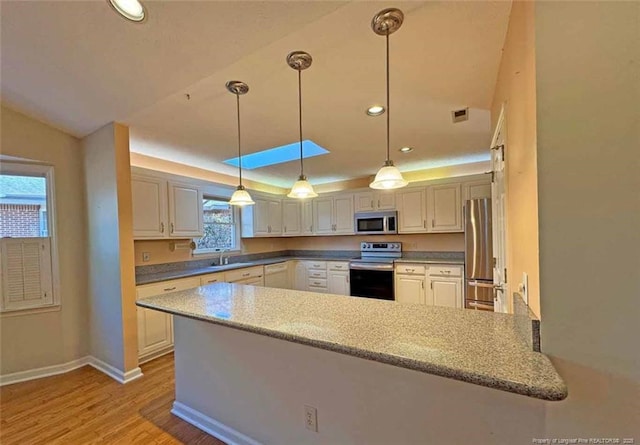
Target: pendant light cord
(239, 156)
(388, 106)
(300, 119)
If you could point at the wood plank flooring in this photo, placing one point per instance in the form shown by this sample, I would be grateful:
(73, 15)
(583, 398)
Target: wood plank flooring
(87, 407)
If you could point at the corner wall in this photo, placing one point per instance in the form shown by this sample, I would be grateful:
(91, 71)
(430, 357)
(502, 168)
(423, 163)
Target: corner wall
(588, 123)
(516, 89)
(110, 247)
(51, 338)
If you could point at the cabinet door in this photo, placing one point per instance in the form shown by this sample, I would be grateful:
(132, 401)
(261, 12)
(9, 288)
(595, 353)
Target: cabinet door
(149, 197)
(323, 216)
(260, 212)
(155, 331)
(300, 276)
(445, 292)
(338, 283)
(476, 189)
(412, 213)
(185, 211)
(364, 202)
(386, 200)
(275, 217)
(307, 218)
(343, 215)
(291, 213)
(410, 289)
(444, 211)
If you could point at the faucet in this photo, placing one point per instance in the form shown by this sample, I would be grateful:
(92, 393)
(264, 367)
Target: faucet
(222, 251)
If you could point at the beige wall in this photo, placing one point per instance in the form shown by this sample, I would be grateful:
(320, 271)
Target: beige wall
(516, 90)
(39, 340)
(110, 247)
(588, 123)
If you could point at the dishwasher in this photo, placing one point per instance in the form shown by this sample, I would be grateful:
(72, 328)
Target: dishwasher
(276, 275)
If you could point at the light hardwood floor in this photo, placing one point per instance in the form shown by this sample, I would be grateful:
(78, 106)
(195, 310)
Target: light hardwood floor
(87, 407)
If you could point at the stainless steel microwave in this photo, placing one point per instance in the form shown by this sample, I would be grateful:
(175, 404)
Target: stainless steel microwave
(373, 223)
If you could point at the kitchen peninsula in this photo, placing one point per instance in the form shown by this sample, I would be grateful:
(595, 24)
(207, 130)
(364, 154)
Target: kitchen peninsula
(249, 359)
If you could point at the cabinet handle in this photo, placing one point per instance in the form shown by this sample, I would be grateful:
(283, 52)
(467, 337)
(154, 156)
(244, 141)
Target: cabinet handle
(246, 274)
(433, 223)
(161, 227)
(445, 271)
(212, 281)
(431, 285)
(169, 289)
(424, 223)
(378, 203)
(285, 229)
(171, 227)
(372, 203)
(422, 282)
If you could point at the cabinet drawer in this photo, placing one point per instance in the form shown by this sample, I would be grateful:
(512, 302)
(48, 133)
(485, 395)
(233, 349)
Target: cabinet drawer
(445, 271)
(242, 274)
(317, 274)
(321, 265)
(318, 282)
(411, 269)
(164, 287)
(338, 266)
(274, 268)
(212, 278)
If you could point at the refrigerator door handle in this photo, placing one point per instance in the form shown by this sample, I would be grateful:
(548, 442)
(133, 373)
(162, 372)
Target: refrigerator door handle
(489, 285)
(473, 304)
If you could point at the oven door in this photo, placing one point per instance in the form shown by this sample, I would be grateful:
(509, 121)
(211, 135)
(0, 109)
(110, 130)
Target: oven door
(368, 283)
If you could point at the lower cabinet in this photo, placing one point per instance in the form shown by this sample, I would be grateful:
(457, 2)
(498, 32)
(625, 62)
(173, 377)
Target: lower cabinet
(433, 285)
(155, 328)
(338, 278)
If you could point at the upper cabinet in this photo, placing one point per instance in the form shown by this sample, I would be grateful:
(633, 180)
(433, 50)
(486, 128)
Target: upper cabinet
(163, 209)
(437, 208)
(291, 218)
(333, 215)
(306, 217)
(444, 208)
(371, 201)
(264, 218)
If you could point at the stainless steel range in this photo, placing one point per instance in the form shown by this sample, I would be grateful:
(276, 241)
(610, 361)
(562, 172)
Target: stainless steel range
(372, 274)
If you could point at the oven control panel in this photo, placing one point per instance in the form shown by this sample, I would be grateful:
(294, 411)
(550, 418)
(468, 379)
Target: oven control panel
(380, 247)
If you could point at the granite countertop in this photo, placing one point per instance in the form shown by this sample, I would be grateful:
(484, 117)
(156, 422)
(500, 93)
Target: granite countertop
(472, 346)
(149, 278)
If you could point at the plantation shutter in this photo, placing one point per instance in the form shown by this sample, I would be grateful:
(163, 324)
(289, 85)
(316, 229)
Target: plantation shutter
(26, 273)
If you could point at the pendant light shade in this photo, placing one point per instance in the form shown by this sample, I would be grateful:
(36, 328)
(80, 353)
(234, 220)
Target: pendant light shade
(302, 189)
(384, 23)
(240, 197)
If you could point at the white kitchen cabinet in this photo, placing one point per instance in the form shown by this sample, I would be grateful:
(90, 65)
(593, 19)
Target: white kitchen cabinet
(333, 215)
(412, 212)
(277, 275)
(444, 208)
(445, 285)
(291, 218)
(264, 218)
(155, 328)
(254, 273)
(338, 278)
(300, 278)
(307, 218)
(410, 283)
(163, 209)
(185, 210)
(211, 278)
(476, 189)
(149, 207)
(374, 201)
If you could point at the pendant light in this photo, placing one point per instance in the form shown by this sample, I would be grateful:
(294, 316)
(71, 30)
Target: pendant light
(384, 23)
(302, 189)
(240, 197)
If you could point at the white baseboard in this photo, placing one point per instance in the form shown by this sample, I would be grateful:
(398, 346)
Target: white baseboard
(147, 358)
(48, 371)
(115, 373)
(211, 426)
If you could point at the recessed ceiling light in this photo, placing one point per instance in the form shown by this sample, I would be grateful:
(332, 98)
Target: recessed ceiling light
(129, 9)
(406, 149)
(375, 110)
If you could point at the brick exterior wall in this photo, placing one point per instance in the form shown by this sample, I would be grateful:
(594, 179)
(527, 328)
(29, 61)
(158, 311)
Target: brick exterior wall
(19, 220)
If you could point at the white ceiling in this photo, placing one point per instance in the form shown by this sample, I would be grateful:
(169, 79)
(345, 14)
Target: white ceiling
(79, 66)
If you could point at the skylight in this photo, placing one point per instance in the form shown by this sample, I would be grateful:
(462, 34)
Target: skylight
(279, 155)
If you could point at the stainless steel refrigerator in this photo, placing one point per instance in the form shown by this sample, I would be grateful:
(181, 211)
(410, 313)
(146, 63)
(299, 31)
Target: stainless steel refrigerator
(478, 255)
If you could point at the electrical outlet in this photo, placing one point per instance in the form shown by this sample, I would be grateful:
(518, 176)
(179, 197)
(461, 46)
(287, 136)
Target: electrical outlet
(310, 418)
(146, 256)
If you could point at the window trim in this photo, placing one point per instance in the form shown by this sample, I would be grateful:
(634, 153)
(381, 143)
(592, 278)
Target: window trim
(46, 171)
(204, 253)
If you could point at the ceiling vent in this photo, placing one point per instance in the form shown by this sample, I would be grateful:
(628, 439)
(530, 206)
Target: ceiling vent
(460, 115)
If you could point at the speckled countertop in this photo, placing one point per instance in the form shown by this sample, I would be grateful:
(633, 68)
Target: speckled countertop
(185, 273)
(472, 346)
